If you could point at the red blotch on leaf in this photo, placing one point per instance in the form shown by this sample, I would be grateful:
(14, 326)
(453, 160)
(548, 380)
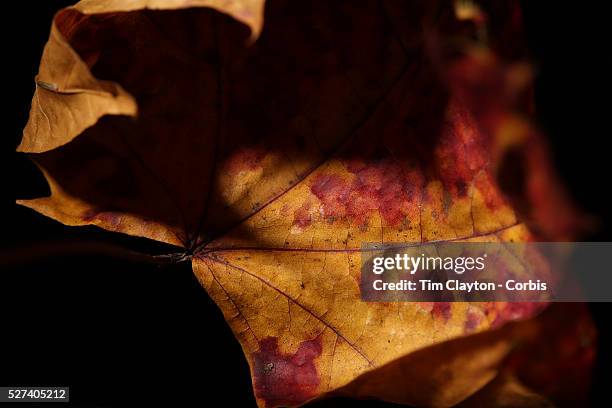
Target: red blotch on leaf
(286, 379)
(461, 139)
(441, 310)
(384, 186)
(245, 159)
(507, 312)
(472, 321)
(302, 217)
(111, 218)
(333, 192)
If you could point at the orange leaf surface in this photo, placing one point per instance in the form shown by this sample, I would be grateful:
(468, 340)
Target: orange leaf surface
(270, 162)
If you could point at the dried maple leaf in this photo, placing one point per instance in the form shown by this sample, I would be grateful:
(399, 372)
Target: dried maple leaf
(270, 162)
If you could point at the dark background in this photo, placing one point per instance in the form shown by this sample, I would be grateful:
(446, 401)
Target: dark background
(120, 332)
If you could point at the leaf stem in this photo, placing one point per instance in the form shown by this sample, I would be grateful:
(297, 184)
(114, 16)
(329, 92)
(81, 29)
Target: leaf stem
(36, 252)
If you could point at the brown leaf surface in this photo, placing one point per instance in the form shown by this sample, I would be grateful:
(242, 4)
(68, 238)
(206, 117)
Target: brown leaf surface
(272, 162)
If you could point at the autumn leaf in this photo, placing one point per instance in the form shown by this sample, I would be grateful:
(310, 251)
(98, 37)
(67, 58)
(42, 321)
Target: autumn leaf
(267, 154)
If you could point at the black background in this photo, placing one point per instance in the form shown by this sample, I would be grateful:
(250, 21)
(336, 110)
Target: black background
(120, 332)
